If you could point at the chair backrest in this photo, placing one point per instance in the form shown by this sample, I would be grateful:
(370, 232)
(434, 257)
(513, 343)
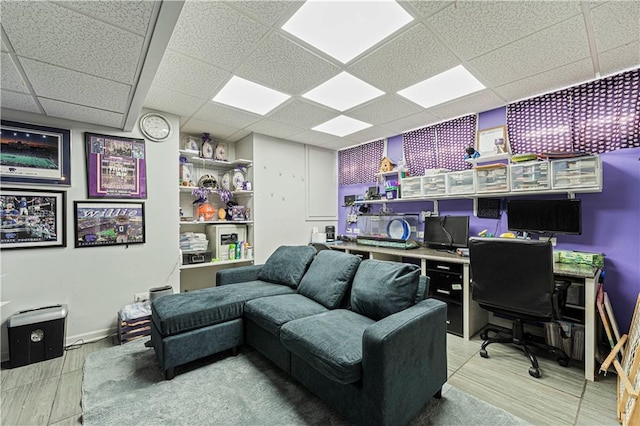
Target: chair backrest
(513, 275)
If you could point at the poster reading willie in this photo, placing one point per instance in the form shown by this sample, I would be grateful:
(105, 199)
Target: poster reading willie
(106, 224)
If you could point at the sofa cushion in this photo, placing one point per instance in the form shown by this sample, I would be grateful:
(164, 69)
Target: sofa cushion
(176, 313)
(272, 312)
(329, 277)
(382, 288)
(287, 265)
(330, 342)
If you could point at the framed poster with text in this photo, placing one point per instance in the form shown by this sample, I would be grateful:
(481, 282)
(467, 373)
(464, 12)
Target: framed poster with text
(102, 223)
(116, 167)
(33, 154)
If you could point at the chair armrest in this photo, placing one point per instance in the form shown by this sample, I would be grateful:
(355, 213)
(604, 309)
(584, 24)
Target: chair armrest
(404, 360)
(240, 274)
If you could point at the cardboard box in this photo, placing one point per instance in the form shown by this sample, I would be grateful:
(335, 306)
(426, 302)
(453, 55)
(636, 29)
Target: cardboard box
(581, 257)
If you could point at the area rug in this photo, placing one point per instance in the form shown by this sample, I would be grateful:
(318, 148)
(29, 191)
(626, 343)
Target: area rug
(124, 385)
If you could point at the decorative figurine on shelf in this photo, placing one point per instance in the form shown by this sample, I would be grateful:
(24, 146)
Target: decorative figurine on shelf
(206, 149)
(221, 152)
(501, 146)
(471, 153)
(386, 165)
(204, 210)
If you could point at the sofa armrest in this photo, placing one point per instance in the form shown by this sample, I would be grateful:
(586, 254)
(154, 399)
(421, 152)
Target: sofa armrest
(404, 361)
(240, 274)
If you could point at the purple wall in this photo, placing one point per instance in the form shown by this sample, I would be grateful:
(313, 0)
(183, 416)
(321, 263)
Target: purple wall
(610, 221)
(492, 118)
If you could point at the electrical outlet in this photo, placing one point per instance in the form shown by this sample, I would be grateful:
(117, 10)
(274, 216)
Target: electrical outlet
(356, 230)
(140, 297)
(420, 234)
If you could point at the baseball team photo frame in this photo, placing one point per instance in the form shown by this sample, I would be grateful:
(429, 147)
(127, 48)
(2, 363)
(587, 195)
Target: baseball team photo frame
(116, 167)
(32, 218)
(105, 223)
(34, 155)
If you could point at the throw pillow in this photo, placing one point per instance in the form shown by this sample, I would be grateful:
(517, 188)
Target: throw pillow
(287, 265)
(382, 288)
(329, 277)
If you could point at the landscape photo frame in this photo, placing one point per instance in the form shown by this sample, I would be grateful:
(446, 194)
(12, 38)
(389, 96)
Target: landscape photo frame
(106, 223)
(34, 155)
(32, 218)
(116, 167)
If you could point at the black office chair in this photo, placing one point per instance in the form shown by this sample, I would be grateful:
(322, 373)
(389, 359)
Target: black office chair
(514, 278)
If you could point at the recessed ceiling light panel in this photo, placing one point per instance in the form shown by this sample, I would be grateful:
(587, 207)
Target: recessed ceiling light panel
(249, 96)
(341, 126)
(343, 91)
(345, 29)
(443, 87)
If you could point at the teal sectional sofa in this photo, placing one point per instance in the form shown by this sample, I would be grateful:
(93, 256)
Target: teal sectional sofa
(359, 334)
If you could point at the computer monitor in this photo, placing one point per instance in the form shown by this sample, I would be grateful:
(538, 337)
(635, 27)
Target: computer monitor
(545, 216)
(446, 232)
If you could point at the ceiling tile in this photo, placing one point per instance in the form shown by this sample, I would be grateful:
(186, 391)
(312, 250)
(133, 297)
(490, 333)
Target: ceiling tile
(547, 81)
(216, 33)
(412, 122)
(267, 12)
(81, 113)
(283, 65)
(336, 145)
(370, 134)
(189, 76)
(298, 112)
(132, 16)
(620, 59)
(66, 85)
(274, 128)
(413, 56)
(78, 42)
(427, 8)
(383, 109)
(4, 47)
(18, 101)
(216, 113)
(615, 24)
(484, 100)
(473, 28)
(166, 100)
(237, 136)
(11, 78)
(551, 48)
(315, 138)
(216, 130)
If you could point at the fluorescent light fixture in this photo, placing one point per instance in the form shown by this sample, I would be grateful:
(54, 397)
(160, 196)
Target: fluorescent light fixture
(342, 92)
(345, 29)
(249, 96)
(443, 87)
(341, 126)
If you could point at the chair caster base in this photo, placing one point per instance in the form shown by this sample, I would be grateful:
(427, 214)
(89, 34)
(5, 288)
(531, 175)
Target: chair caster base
(483, 353)
(563, 362)
(534, 372)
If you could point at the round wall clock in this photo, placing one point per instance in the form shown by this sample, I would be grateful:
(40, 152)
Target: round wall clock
(226, 181)
(191, 143)
(207, 150)
(155, 127)
(238, 178)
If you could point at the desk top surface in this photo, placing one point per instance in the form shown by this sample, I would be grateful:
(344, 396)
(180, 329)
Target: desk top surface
(563, 269)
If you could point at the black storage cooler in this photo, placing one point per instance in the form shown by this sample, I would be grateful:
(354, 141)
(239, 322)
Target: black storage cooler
(36, 335)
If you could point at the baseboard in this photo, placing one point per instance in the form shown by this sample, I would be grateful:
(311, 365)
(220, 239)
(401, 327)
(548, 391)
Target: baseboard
(79, 338)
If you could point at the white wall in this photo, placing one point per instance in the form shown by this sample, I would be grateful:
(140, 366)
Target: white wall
(280, 174)
(96, 282)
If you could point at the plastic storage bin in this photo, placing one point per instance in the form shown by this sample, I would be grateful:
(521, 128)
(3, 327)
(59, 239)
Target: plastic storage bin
(411, 187)
(492, 179)
(434, 185)
(462, 182)
(36, 335)
(530, 176)
(579, 172)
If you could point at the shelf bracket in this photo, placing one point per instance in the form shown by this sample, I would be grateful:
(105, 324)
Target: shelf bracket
(571, 195)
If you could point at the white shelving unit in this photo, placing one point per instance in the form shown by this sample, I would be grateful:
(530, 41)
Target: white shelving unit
(201, 275)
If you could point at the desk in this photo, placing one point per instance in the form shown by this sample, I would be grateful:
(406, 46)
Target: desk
(474, 317)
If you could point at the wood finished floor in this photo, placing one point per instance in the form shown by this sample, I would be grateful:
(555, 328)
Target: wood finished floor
(49, 392)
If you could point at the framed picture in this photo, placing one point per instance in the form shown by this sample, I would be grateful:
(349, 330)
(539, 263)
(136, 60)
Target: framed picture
(116, 167)
(33, 154)
(493, 141)
(32, 218)
(102, 223)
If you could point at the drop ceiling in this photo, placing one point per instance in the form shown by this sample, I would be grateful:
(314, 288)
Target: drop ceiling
(101, 62)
